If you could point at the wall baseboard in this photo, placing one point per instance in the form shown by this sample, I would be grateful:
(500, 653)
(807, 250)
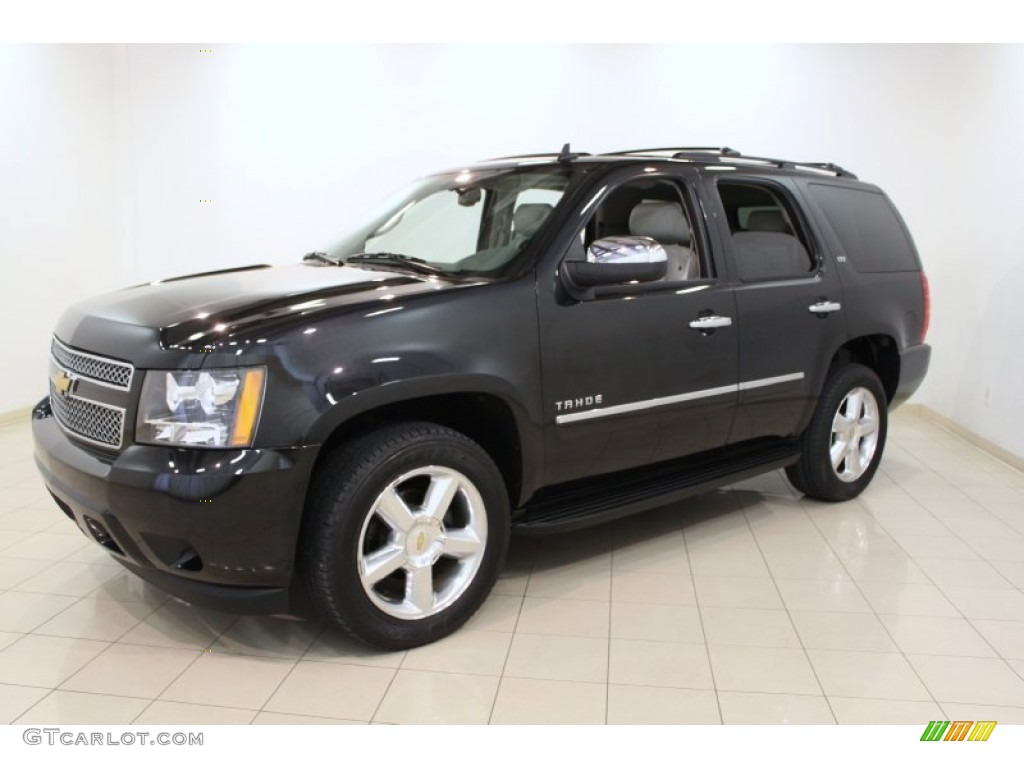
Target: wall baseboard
(15, 417)
(1005, 456)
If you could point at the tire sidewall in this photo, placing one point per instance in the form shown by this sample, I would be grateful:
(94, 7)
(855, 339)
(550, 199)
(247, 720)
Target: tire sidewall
(822, 480)
(352, 506)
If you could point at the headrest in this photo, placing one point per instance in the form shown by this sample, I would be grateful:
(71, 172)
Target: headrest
(661, 220)
(529, 217)
(764, 255)
(767, 221)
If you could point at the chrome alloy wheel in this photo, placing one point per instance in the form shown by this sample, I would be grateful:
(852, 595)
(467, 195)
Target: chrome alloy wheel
(422, 542)
(854, 434)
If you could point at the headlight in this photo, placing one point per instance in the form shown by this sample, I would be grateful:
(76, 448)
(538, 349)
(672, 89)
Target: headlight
(217, 408)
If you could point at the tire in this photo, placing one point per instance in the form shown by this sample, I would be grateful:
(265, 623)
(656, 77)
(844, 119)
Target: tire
(842, 446)
(407, 529)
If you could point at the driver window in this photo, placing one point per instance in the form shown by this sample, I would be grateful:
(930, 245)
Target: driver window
(651, 208)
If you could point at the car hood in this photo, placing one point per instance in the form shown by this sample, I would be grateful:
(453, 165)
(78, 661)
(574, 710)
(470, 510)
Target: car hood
(194, 311)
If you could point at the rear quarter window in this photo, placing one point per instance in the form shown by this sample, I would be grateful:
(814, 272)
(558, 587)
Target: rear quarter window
(870, 231)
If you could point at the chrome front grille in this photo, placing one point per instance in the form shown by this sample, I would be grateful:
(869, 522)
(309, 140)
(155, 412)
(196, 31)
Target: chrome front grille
(86, 366)
(89, 420)
(88, 394)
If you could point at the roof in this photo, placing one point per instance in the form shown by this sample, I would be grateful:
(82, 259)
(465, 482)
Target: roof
(722, 157)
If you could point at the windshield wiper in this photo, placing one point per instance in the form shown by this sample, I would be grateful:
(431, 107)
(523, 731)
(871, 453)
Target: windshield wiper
(412, 263)
(322, 257)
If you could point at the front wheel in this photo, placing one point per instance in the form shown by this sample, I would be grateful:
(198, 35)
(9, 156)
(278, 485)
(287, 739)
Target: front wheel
(842, 446)
(406, 534)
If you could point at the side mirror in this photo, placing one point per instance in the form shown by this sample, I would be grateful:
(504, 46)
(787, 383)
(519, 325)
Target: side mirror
(618, 260)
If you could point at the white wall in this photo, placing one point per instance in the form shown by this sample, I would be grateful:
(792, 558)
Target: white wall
(293, 144)
(58, 200)
(978, 273)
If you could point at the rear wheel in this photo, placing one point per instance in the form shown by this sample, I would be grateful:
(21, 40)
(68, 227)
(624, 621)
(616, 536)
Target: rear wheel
(843, 444)
(407, 532)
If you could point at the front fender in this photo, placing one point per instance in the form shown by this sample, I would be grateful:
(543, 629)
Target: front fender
(528, 452)
(357, 403)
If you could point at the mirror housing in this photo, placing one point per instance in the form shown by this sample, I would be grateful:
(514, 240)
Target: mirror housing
(618, 260)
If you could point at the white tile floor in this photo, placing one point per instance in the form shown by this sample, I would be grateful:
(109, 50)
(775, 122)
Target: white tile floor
(744, 606)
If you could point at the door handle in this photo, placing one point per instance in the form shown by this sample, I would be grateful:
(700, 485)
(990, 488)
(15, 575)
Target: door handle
(825, 307)
(710, 322)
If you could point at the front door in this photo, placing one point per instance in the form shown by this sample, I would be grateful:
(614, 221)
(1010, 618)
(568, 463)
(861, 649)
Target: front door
(639, 373)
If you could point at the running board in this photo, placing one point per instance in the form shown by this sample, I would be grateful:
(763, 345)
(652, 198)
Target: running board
(582, 503)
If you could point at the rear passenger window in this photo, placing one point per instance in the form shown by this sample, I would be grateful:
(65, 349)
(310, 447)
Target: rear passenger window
(869, 229)
(767, 240)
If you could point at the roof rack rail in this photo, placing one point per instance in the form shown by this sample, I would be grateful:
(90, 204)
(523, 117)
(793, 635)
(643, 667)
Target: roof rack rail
(720, 151)
(565, 155)
(838, 170)
(729, 155)
(521, 157)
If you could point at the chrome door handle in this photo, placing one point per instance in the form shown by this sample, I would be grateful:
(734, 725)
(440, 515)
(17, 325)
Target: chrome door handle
(825, 307)
(709, 322)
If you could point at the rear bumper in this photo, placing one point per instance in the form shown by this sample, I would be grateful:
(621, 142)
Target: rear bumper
(214, 528)
(913, 367)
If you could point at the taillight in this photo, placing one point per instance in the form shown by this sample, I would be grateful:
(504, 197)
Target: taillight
(927, 306)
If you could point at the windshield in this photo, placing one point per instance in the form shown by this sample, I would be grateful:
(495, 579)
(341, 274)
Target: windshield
(472, 223)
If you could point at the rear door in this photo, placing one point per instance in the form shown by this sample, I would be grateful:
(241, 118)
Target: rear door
(789, 304)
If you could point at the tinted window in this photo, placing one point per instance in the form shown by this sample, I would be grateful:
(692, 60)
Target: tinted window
(744, 212)
(869, 230)
(767, 241)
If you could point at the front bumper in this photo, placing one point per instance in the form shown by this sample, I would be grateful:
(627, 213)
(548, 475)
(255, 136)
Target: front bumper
(216, 528)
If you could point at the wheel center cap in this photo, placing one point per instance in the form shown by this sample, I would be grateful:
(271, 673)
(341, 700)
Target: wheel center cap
(424, 541)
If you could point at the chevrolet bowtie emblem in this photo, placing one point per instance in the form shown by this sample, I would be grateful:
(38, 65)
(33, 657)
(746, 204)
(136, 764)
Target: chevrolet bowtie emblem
(420, 541)
(63, 382)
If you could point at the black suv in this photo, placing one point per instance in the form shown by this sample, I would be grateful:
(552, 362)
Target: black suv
(538, 343)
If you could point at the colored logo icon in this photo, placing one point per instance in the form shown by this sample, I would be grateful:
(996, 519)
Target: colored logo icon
(958, 730)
